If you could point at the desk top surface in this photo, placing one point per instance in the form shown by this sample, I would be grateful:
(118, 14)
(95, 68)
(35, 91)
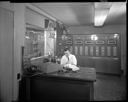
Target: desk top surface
(83, 74)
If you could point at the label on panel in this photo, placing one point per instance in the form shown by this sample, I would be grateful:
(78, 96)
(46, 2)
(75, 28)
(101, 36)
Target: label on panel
(100, 42)
(76, 50)
(108, 51)
(78, 42)
(86, 50)
(102, 51)
(81, 50)
(89, 42)
(114, 51)
(111, 41)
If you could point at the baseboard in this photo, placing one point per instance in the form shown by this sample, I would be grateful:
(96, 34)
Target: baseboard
(112, 74)
(14, 101)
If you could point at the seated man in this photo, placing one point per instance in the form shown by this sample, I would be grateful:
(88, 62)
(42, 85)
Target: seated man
(69, 60)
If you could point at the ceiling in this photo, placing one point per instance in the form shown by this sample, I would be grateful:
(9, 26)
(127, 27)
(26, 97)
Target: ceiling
(82, 14)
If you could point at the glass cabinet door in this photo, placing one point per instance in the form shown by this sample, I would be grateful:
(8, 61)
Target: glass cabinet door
(34, 43)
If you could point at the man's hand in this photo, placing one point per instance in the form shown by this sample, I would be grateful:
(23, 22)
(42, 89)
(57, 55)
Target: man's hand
(66, 65)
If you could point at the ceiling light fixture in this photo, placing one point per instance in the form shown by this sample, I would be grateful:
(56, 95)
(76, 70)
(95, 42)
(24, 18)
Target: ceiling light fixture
(100, 16)
(101, 12)
(94, 37)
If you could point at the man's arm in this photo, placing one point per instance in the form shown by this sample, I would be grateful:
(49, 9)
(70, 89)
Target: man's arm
(63, 60)
(74, 60)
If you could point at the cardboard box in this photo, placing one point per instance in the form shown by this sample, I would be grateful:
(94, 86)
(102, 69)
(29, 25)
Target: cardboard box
(47, 67)
(50, 67)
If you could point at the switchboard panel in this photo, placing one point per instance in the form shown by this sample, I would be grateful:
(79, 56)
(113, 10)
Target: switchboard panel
(98, 47)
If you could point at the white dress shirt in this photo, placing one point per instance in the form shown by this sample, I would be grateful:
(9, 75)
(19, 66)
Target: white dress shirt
(68, 60)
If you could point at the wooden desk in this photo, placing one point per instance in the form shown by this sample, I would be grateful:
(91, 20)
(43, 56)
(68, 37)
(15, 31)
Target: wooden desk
(62, 86)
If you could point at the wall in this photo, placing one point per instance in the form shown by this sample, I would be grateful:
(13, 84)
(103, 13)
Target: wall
(6, 54)
(7, 5)
(120, 29)
(34, 18)
(19, 33)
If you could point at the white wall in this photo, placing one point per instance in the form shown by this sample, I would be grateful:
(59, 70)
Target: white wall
(7, 5)
(120, 29)
(6, 54)
(19, 33)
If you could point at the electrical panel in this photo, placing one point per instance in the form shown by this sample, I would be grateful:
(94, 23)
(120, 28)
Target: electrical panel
(93, 49)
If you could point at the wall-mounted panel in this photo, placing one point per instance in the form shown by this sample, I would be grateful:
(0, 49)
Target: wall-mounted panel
(107, 46)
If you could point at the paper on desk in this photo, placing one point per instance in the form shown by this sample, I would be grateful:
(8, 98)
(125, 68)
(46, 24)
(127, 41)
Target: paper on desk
(73, 67)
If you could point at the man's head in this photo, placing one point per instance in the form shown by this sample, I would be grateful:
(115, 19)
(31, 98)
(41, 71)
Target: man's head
(66, 51)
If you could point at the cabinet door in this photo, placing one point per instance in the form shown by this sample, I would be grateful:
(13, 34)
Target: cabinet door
(114, 66)
(101, 65)
(110, 66)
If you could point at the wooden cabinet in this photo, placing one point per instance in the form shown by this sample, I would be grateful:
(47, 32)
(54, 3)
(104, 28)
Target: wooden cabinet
(56, 86)
(114, 66)
(109, 66)
(101, 65)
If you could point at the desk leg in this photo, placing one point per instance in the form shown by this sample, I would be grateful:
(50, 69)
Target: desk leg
(28, 89)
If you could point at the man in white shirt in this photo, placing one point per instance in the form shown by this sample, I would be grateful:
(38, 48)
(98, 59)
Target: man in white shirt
(69, 60)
